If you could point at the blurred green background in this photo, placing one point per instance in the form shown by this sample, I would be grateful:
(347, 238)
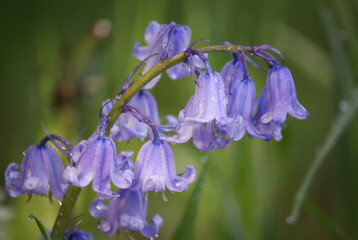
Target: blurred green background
(57, 65)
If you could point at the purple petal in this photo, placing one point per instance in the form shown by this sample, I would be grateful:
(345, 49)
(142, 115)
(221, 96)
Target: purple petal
(151, 231)
(232, 72)
(12, 177)
(103, 153)
(98, 209)
(34, 178)
(77, 151)
(209, 100)
(55, 170)
(70, 175)
(180, 40)
(128, 127)
(151, 31)
(235, 128)
(140, 52)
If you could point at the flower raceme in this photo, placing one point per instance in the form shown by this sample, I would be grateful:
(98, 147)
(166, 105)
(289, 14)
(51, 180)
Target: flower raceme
(223, 109)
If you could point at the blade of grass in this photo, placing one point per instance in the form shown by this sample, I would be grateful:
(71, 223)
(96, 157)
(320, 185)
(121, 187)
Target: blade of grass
(340, 124)
(41, 227)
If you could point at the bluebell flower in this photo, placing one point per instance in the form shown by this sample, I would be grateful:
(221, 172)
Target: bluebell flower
(127, 212)
(166, 41)
(209, 101)
(241, 93)
(155, 169)
(233, 70)
(283, 97)
(128, 127)
(209, 137)
(206, 136)
(41, 169)
(98, 163)
(268, 129)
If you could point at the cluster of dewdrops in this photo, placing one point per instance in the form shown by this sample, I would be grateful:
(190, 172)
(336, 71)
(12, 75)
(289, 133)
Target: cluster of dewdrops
(223, 108)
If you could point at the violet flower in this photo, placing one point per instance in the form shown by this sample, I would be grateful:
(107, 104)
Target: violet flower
(209, 101)
(127, 212)
(242, 96)
(155, 169)
(269, 129)
(97, 163)
(231, 71)
(166, 41)
(283, 97)
(206, 136)
(41, 169)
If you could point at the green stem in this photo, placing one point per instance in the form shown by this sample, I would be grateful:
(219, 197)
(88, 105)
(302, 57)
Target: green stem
(73, 192)
(64, 214)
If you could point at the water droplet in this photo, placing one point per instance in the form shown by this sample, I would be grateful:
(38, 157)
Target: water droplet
(343, 106)
(105, 226)
(291, 220)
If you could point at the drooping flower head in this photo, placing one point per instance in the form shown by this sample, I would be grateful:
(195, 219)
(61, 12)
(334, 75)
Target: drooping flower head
(165, 40)
(241, 93)
(155, 169)
(280, 90)
(268, 129)
(98, 163)
(127, 212)
(209, 101)
(41, 170)
(282, 93)
(206, 136)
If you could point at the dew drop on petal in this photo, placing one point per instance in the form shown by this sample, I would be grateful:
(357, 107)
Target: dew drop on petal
(105, 226)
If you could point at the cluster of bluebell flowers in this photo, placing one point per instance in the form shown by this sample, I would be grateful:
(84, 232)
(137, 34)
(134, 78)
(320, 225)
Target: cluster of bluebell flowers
(223, 109)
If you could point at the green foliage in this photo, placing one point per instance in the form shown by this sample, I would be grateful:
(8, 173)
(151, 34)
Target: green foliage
(41, 227)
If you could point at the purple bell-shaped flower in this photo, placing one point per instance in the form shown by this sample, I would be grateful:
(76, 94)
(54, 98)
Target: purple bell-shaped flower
(206, 136)
(165, 41)
(127, 212)
(98, 163)
(155, 169)
(232, 71)
(242, 96)
(41, 169)
(283, 97)
(269, 129)
(209, 101)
